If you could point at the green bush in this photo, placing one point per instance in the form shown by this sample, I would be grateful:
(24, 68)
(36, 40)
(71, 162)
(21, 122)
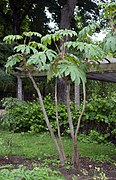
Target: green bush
(101, 109)
(24, 116)
(100, 115)
(93, 137)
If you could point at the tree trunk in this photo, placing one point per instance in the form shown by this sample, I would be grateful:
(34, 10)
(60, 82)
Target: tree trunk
(75, 156)
(46, 119)
(15, 17)
(67, 14)
(16, 25)
(65, 23)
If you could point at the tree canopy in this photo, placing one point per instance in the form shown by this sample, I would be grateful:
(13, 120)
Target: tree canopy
(18, 16)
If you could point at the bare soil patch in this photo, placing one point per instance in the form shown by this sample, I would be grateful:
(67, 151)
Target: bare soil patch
(86, 166)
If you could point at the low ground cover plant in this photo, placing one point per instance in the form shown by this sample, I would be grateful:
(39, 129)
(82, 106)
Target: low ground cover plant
(33, 174)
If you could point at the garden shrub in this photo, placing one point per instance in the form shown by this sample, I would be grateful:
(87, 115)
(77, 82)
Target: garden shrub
(100, 115)
(93, 137)
(24, 116)
(27, 116)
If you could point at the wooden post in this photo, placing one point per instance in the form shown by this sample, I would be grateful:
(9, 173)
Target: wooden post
(19, 88)
(77, 96)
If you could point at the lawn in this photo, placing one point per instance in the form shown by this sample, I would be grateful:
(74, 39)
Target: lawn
(41, 146)
(27, 149)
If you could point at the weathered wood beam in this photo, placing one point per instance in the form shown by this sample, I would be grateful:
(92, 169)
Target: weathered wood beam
(19, 88)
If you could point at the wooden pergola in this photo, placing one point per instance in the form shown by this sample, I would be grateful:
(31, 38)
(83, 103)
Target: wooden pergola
(106, 71)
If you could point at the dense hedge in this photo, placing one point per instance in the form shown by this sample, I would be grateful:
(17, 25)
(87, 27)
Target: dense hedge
(24, 116)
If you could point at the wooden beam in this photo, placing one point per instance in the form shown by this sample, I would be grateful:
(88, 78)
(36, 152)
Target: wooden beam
(19, 88)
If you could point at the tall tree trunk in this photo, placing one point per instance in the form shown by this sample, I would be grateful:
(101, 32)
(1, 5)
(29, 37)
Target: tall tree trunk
(65, 23)
(16, 25)
(67, 14)
(46, 119)
(15, 17)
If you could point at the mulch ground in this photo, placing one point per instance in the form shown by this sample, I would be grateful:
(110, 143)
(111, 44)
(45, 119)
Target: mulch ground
(68, 173)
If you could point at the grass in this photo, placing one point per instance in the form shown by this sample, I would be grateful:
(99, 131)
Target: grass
(40, 146)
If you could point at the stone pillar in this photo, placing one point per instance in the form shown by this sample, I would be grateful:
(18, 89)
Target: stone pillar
(19, 88)
(77, 96)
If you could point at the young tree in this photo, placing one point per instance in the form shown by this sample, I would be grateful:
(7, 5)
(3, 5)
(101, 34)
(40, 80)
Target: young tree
(69, 62)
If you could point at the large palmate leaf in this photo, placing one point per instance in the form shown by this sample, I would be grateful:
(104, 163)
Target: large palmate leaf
(38, 58)
(12, 38)
(63, 33)
(30, 34)
(75, 45)
(58, 35)
(47, 39)
(90, 51)
(66, 68)
(93, 52)
(87, 31)
(109, 43)
(51, 54)
(13, 60)
(37, 45)
(72, 70)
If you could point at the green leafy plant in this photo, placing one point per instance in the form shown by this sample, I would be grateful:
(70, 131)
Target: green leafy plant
(109, 12)
(69, 61)
(21, 116)
(24, 173)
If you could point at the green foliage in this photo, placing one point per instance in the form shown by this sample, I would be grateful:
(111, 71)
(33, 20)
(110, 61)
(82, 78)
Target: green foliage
(109, 14)
(12, 38)
(65, 68)
(101, 110)
(6, 82)
(110, 43)
(87, 31)
(12, 60)
(27, 116)
(93, 137)
(26, 174)
(109, 10)
(90, 51)
(23, 116)
(58, 35)
(65, 62)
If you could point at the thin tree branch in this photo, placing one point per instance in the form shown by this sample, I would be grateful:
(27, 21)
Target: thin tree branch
(83, 109)
(57, 121)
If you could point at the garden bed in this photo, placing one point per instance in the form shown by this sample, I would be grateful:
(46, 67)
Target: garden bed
(88, 169)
